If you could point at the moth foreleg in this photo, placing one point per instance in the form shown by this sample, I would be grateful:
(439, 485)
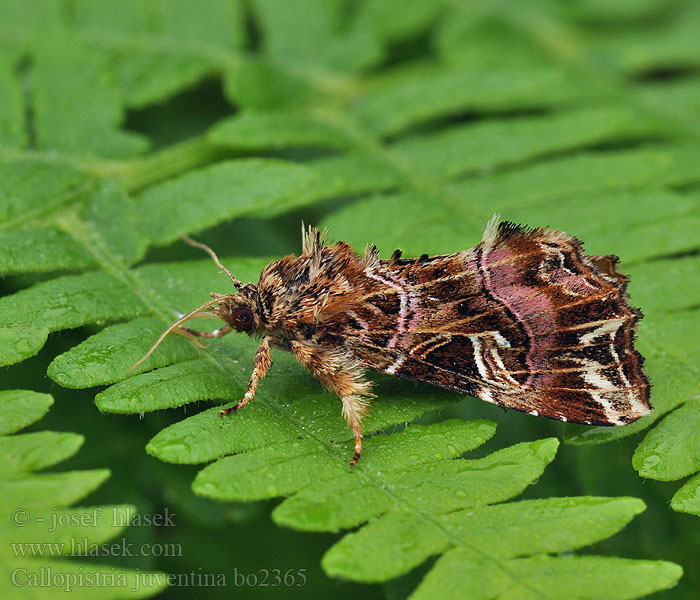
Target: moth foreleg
(186, 331)
(261, 364)
(193, 334)
(344, 377)
(190, 335)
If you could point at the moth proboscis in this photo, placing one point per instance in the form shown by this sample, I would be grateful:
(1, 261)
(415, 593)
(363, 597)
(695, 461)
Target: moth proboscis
(524, 320)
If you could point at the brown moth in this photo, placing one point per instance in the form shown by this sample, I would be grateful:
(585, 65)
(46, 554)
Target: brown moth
(524, 320)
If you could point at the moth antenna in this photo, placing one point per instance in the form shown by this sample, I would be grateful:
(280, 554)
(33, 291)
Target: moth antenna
(214, 257)
(176, 324)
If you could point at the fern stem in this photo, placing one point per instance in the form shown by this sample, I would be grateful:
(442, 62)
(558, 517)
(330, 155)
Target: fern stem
(140, 173)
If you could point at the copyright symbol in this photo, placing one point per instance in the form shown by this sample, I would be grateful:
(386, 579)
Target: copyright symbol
(20, 517)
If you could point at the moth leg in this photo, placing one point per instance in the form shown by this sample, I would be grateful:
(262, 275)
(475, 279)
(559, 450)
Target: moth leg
(190, 335)
(354, 408)
(261, 363)
(193, 334)
(337, 374)
(186, 331)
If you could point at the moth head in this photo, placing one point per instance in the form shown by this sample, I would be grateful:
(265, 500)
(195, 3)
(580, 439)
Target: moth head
(240, 311)
(237, 310)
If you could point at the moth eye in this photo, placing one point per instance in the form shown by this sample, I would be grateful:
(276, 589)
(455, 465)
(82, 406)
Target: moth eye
(242, 318)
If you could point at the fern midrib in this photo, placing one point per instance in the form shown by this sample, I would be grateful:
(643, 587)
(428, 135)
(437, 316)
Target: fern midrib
(436, 189)
(50, 207)
(564, 43)
(90, 239)
(449, 535)
(215, 53)
(138, 173)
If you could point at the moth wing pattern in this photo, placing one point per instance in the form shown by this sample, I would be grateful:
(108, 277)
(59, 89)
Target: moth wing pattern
(524, 320)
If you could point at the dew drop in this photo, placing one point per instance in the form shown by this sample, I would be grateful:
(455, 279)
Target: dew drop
(651, 461)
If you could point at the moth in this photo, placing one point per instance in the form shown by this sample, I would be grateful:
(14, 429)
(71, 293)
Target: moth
(524, 320)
